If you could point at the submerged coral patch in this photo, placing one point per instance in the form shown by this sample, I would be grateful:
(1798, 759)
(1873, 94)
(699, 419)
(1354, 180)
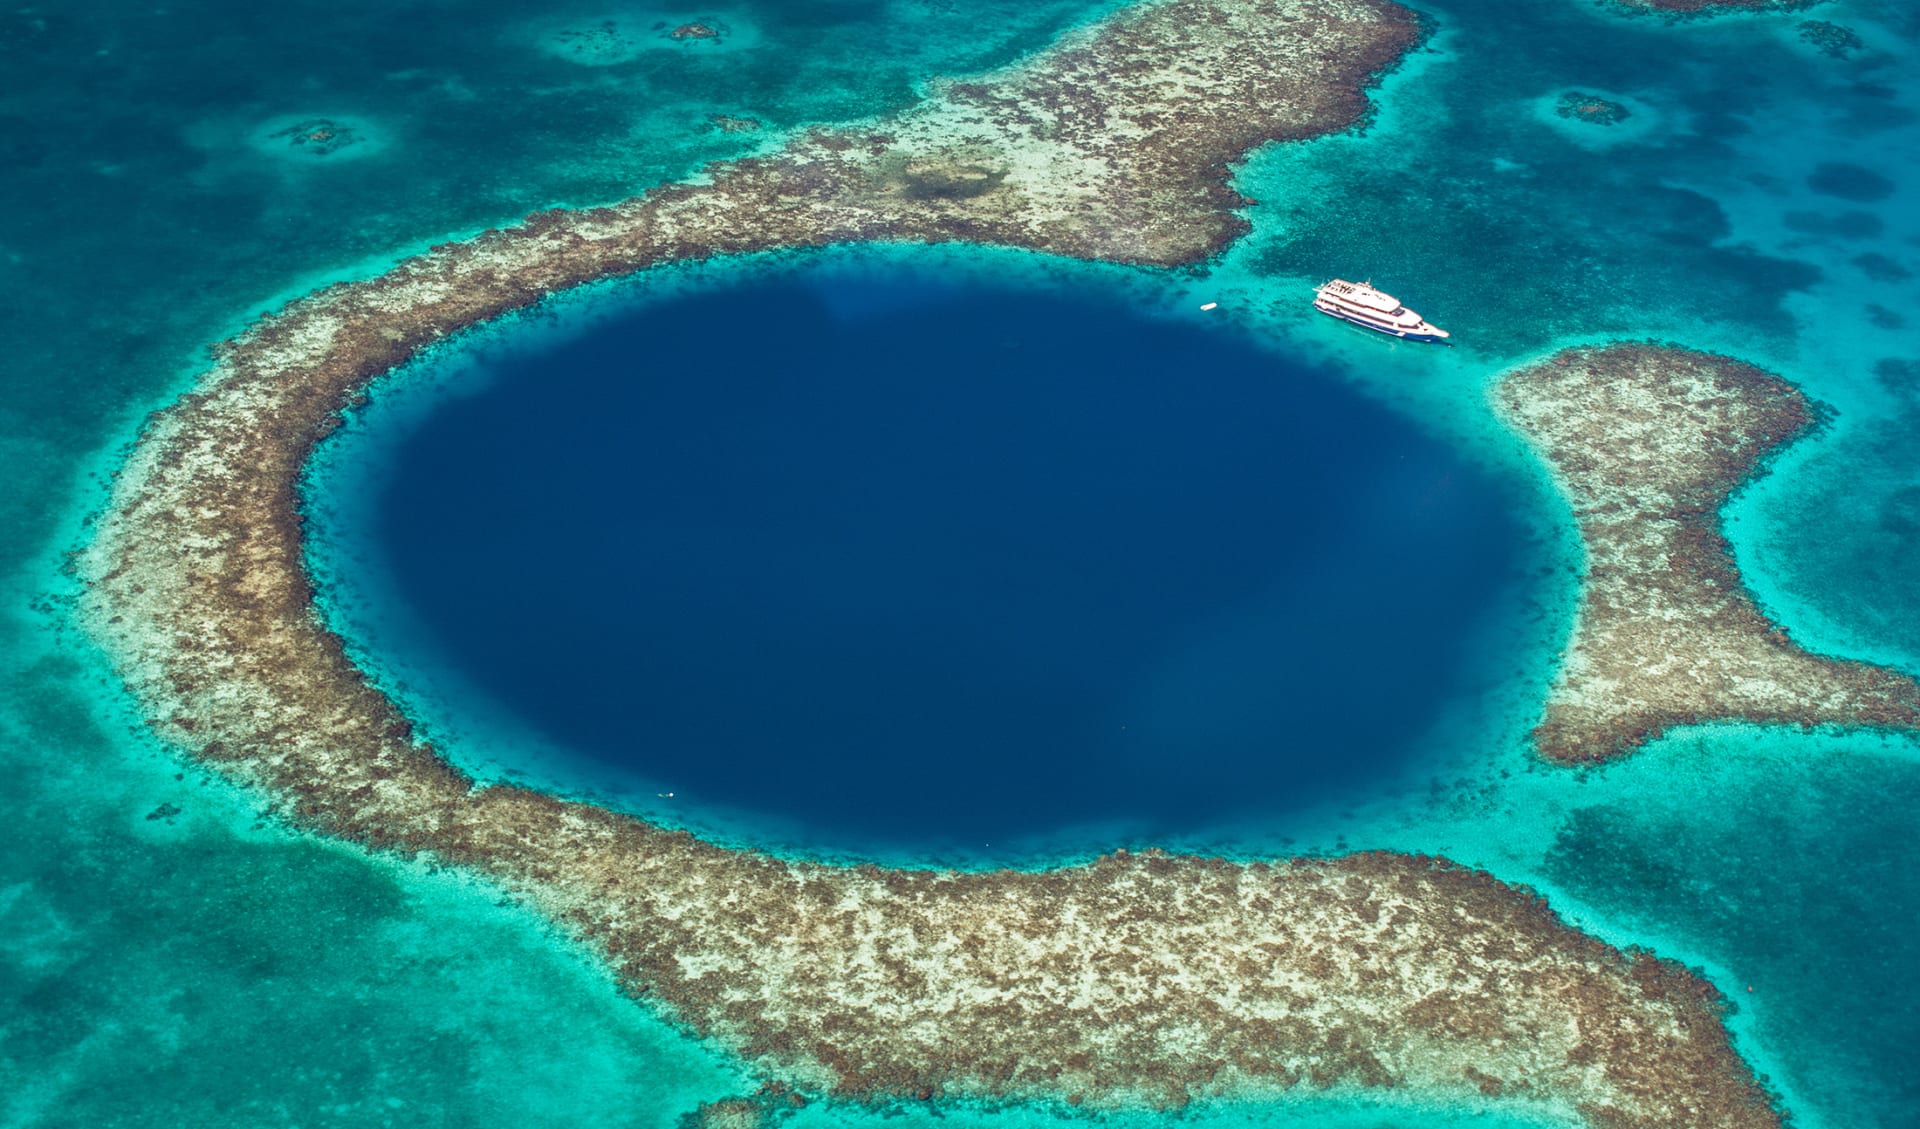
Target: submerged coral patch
(625, 36)
(1591, 108)
(602, 44)
(1831, 38)
(320, 137)
(1624, 120)
(1881, 268)
(1843, 225)
(1849, 182)
(1713, 7)
(316, 139)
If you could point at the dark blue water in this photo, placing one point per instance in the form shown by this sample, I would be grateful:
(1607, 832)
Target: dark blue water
(926, 562)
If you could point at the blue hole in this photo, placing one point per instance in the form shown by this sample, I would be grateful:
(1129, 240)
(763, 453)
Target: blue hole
(933, 563)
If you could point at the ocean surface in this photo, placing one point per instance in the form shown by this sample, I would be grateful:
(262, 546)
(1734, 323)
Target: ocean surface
(168, 956)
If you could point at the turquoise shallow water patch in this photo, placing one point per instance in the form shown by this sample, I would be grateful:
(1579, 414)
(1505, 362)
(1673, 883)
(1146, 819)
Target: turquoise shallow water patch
(170, 954)
(1822, 964)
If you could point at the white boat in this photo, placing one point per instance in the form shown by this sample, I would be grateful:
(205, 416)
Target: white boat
(1361, 304)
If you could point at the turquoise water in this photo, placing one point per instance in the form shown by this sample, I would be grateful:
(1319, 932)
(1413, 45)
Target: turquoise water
(201, 966)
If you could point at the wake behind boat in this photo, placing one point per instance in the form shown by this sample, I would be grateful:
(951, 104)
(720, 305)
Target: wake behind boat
(1361, 304)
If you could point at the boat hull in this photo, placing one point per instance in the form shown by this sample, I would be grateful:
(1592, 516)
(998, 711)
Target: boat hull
(1386, 330)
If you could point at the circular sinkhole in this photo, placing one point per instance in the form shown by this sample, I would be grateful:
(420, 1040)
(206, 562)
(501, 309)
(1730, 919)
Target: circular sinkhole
(928, 562)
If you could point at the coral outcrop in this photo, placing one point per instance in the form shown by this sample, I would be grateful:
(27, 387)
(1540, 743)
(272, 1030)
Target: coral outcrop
(1648, 444)
(1590, 108)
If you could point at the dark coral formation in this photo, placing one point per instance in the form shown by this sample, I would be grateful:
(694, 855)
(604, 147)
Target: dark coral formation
(1710, 7)
(590, 41)
(760, 1110)
(1881, 268)
(732, 1113)
(317, 137)
(1590, 108)
(1648, 443)
(1831, 38)
(1138, 978)
(698, 31)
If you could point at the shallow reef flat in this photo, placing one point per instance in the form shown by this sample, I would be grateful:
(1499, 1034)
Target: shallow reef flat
(1648, 443)
(1136, 979)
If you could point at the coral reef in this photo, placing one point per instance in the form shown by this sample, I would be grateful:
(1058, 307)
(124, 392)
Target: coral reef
(1831, 38)
(1140, 978)
(760, 1110)
(602, 44)
(317, 137)
(1648, 443)
(1590, 108)
(733, 1113)
(693, 32)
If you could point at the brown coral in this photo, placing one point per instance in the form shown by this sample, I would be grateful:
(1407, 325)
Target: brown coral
(1648, 443)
